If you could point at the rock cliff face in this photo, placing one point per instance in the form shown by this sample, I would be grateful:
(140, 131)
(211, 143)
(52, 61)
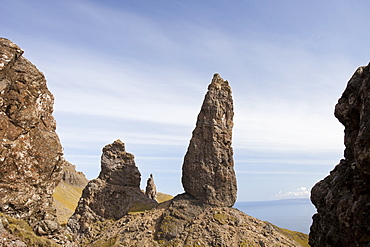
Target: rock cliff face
(30, 151)
(208, 169)
(113, 193)
(342, 198)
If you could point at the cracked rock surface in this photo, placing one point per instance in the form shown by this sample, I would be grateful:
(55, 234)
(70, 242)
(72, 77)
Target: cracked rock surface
(30, 150)
(208, 169)
(342, 198)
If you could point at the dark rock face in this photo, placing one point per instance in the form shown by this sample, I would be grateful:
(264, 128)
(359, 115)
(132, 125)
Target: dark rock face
(151, 189)
(113, 193)
(208, 169)
(342, 198)
(30, 151)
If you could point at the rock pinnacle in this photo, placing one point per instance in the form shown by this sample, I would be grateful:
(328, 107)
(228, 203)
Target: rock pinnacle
(208, 168)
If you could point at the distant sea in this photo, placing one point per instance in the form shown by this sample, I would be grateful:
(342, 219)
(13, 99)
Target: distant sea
(292, 214)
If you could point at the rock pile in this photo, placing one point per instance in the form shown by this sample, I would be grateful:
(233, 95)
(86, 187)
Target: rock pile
(208, 168)
(30, 151)
(342, 198)
(151, 189)
(113, 193)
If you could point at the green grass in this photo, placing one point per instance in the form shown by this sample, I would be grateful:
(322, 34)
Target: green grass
(105, 242)
(161, 197)
(299, 237)
(141, 207)
(223, 218)
(66, 198)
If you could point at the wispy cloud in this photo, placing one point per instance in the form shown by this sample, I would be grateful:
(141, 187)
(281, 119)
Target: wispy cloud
(300, 192)
(139, 72)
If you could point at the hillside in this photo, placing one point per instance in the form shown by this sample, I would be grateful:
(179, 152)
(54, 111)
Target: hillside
(68, 192)
(184, 221)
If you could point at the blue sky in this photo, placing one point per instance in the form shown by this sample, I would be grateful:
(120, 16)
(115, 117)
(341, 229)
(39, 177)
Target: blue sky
(138, 71)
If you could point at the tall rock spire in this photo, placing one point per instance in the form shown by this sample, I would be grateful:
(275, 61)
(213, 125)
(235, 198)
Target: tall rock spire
(208, 169)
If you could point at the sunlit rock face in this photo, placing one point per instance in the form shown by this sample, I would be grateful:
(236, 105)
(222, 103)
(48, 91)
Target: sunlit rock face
(113, 193)
(30, 151)
(342, 199)
(208, 168)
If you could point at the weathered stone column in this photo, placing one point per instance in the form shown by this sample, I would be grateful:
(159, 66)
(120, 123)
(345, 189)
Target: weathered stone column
(151, 189)
(208, 169)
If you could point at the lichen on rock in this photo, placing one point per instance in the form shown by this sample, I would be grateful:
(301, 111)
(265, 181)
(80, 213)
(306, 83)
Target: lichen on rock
(30, 150)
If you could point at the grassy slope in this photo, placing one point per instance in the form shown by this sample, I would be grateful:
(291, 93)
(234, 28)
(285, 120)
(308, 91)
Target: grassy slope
(161, 197)
(299, 237)
(66, 198)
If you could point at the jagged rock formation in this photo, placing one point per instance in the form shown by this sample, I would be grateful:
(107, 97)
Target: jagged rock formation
(151, 189)
(31, 165)
(342, 198)
(72, 177)
(68, 192)
(30, 151)
(113, 193)
(208, 169)
(185, 221)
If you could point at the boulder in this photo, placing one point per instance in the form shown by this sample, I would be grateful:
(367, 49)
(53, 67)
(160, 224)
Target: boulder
(342, 198)
(208, 169)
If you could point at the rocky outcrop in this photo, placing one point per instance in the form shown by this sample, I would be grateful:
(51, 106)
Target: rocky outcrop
(342, 198)
(151, 189)
(208, 169)
(185, 221)
(113, 193)
(30, 151)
